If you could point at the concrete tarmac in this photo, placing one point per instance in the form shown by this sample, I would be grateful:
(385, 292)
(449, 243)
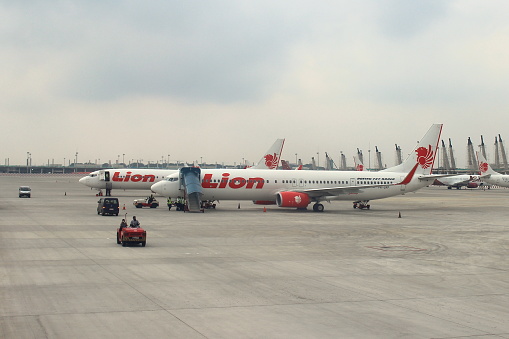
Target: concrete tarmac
(439, 271)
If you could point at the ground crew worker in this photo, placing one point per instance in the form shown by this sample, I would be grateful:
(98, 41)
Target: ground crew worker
(123, 224)
(170, 203)
(134, 223)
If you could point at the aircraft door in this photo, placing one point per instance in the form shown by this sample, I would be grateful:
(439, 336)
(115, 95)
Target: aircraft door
(295, 182)
(301, 182)
(104, 175)
(352, 182)
(402, 187)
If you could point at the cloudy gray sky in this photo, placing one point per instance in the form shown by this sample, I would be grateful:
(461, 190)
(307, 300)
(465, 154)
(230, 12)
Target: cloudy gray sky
(221, 80)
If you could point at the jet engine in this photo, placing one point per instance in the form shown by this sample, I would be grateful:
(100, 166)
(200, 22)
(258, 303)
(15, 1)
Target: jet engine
(292, 199)
(472, 185)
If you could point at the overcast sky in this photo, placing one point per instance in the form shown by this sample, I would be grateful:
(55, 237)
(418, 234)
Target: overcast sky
(219, 81)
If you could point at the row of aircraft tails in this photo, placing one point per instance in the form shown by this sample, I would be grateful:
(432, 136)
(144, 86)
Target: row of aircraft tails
(262, 184)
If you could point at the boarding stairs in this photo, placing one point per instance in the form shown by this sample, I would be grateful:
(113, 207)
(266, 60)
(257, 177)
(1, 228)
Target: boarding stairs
(192, 187)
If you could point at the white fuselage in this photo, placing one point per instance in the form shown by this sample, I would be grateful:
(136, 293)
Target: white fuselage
(460, 180)
(220, 184)
(125, 178)
(501, 180)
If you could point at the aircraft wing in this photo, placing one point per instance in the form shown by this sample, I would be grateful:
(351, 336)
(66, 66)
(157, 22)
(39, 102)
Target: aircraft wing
(432, 177)
(330, 191)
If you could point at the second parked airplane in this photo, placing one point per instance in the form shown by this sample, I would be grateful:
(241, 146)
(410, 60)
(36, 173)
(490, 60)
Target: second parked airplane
(142, 179)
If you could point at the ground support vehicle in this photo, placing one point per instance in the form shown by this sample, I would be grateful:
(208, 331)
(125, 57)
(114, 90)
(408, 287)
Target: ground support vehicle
(147, 202)
(25, 191)
(108, 206)
(208, 204)
(131, 235)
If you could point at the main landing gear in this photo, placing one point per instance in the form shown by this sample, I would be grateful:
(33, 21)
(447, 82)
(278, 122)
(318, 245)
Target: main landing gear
(317, 207)
(361, 204)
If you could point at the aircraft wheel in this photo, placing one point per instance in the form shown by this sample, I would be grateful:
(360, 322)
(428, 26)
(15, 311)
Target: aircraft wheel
(318, 208)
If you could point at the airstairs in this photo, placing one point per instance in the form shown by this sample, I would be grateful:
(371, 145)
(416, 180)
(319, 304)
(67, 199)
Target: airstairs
(192, 186)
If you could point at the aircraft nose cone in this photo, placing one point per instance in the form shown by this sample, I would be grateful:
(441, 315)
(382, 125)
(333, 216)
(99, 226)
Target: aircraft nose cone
(83, 181)
(158, 187)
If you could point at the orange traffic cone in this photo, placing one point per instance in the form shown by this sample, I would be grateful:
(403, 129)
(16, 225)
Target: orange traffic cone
(264, 209)
(123, 207)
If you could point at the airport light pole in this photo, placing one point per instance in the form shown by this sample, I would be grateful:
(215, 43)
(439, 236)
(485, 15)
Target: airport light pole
(123, 156)
(369, 158)
(296, 159)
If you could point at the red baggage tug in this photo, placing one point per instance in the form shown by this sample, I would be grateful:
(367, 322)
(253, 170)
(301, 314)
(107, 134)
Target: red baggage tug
(129, 235)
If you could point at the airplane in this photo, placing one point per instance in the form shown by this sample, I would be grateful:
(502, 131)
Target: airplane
(142, 179)
(286, 165)
(301, 188)
(489, 175)
(359, 166)
(458, 181)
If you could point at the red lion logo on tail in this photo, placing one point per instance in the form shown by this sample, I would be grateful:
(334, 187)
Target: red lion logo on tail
(425, 156)
(483, 167)
(271, 161)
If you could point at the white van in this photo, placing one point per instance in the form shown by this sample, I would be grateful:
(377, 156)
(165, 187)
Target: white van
(25, 191)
